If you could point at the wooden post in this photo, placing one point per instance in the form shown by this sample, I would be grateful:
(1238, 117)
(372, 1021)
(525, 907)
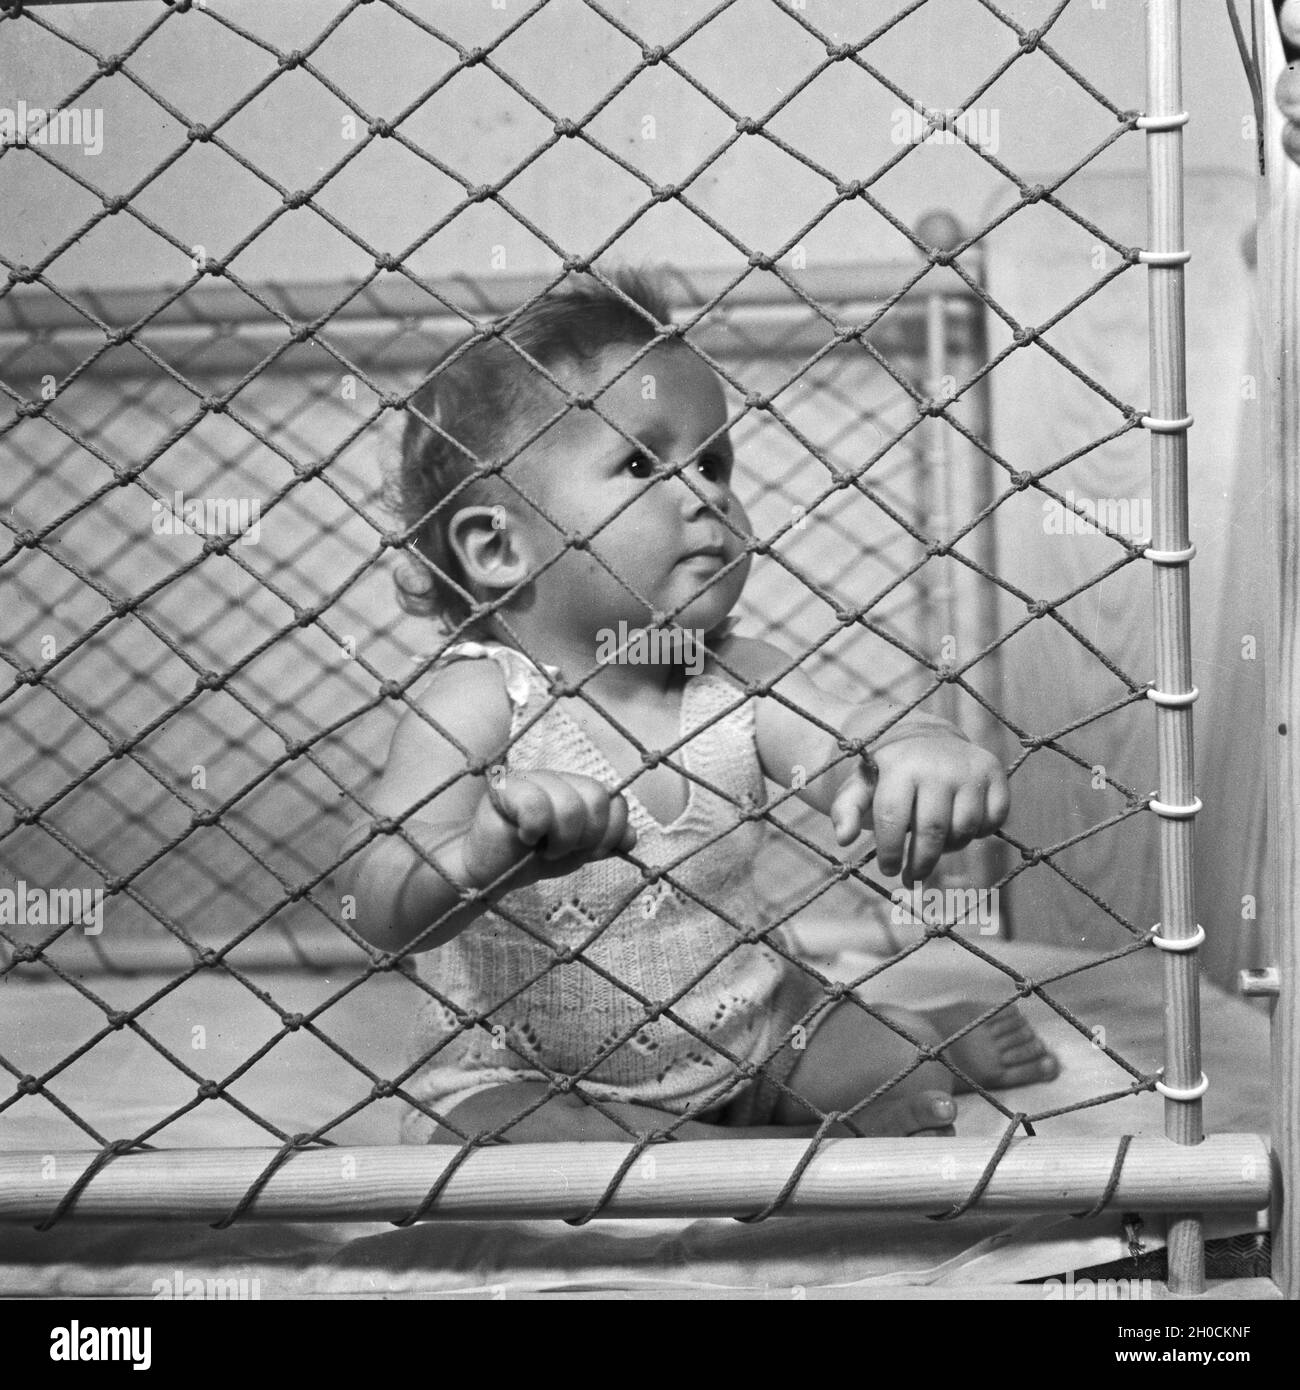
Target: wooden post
(1170, 553)
(1279, 313)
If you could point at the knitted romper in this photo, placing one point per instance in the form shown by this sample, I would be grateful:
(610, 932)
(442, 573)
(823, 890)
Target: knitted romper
(662, 1003)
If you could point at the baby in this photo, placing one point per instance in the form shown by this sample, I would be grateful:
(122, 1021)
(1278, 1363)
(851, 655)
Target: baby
(577, 783)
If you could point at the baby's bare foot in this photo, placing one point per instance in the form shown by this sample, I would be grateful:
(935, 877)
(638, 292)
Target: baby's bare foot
(922, 1114)
(1003, 1052)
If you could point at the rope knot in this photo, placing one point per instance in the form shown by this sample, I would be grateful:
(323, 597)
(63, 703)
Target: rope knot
(199, 133)
(761, 262)
(654, 55)
(852, 189)
(292, 60)
(390, 690)
(109, 66)
(209, 1090)
(566, 127)
(116, 1019)
(1030, 40)
(839, 51)
(1024, 335)
(475, 56)
(755, 401)
(747, 125)
(1032, 856)
(480, 193)
(204, 818)
(381, 1090)
(113, 205)
(381, 128)
(23, 953)
(1038, 607)
(28, 1085)
(1035, 194)
(385, 261)
(577, 265)
(1020, 481)
(297, 198)
(22, 275)
(665, 191)
(292, 1021)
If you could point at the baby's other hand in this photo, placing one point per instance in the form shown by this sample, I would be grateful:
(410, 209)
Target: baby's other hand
(941, 791)
(568, 819)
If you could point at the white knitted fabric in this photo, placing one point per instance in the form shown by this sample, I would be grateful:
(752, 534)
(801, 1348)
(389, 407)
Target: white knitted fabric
(572, 1017)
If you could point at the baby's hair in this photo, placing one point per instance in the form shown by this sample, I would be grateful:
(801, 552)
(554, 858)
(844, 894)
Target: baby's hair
(459, 423)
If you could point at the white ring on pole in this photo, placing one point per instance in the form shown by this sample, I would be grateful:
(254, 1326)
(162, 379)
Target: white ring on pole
(1158, 426)
(1178, 943)
(1166, 700)
(1187, 1093)
(1163, 808)
(1164, 258)
(1171, 122)
(1169, 557)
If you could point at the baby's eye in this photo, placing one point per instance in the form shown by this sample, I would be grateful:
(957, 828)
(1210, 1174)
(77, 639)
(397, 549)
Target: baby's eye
(715, 468)
(640, 466)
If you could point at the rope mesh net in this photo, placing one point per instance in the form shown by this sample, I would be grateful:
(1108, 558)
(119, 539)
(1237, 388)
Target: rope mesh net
(191, 725)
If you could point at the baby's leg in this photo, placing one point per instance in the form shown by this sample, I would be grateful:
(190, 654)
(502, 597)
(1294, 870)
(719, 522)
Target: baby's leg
(561, 1118)
(1004, 1051)
(852, 1054)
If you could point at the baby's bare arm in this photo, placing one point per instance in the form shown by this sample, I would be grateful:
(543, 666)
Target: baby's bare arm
(457, 845)
(460, 717)
(923, 780)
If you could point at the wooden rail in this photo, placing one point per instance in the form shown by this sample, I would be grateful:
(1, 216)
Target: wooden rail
(521, 1181)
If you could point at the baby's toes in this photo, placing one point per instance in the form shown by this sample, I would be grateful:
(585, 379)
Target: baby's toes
(1027, 1061)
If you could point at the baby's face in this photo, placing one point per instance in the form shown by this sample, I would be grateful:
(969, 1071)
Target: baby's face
(668, 539)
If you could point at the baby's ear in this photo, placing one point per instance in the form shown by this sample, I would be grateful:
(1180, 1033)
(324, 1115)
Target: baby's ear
(485, 540)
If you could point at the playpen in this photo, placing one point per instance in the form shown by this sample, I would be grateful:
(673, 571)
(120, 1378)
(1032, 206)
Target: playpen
(204, 668)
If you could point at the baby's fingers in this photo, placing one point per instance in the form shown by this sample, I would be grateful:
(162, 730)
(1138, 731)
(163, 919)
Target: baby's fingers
(579, 817)
(619, 834)
(525, 805)
(891, 815)
(931, 827)
(997, 802)
(851, 807)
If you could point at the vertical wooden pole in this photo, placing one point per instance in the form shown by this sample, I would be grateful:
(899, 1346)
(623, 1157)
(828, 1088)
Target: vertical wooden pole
(1170, 553)
(1279, 315)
